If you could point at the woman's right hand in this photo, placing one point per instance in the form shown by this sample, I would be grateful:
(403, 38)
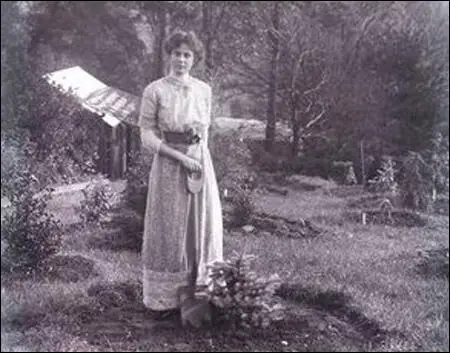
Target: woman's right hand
(191, 164)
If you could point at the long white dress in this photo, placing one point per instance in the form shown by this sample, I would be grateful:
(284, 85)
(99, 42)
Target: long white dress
(172, 246)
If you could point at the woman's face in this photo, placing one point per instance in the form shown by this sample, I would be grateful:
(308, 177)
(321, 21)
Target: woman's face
(181, 59)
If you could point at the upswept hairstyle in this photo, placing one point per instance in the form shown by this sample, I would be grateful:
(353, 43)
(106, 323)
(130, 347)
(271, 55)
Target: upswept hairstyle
(179, 37)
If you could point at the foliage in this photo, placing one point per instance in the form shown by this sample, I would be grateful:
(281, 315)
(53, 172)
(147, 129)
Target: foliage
(244, 299)
(385, 181)
(243, 208)
(129, 213)
(344, 71)
(137, 181)
(96, 204)
(47, 125)
(232, 160)
(350, 177)
(233, 166)
(30, 233)
(416, 182)
(424, 174)
(438, 156)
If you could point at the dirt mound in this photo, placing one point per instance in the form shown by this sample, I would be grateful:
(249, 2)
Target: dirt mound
(283, 227)
(337, 304)
(314, 321)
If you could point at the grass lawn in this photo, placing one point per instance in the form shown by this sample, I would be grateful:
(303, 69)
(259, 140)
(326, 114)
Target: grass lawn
(353, 287)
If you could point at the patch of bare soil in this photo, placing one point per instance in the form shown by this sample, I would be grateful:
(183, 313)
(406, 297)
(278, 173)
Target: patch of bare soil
(315, 322)
(283, 227)
(116, 320)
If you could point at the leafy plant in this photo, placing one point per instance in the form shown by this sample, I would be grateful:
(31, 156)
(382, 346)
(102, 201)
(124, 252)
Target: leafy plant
(417, 182)
(385, 181)
(243, 207)
(96, 203)
(29, 232)
(137, 181)
(439, 160)
(242, 298)
(350, 177)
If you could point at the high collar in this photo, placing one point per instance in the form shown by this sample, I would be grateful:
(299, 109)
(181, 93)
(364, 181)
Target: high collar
(185, 81)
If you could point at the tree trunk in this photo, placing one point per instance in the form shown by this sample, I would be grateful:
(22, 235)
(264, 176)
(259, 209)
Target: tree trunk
(271, 107)
(207, 12)
(164, 28)
(295, 135)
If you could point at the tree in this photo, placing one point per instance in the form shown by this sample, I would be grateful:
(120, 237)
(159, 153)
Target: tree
(273, 77)
(305, 70)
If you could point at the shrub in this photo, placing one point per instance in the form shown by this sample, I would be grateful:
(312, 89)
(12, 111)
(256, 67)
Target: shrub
(350, 177)
(30, 234)
(96, 204)
(385, 181)
(137, 181)
(439, 160)
(243, 208)
(241, 298)
(130, 211)
(232, 161)
(417, 182)
(233, 166)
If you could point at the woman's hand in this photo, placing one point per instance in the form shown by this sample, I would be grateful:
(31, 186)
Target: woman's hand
(191, 164)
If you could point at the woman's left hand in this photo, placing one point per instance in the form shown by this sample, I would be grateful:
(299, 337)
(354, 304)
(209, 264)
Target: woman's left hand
(191, 164)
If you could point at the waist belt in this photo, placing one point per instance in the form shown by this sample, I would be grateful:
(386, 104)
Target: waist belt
(181, 137)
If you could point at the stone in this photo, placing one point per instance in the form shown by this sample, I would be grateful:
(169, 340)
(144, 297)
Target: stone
(248, 228)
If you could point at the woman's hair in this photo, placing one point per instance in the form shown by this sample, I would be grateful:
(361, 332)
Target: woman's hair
(178, 37)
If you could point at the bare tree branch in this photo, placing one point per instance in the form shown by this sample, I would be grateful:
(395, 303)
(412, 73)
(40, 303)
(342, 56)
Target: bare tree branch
(322, 82)
(310, 103)
(256, 73)
(316, 119)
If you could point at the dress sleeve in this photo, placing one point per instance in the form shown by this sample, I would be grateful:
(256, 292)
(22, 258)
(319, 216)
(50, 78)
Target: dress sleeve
(147, 119)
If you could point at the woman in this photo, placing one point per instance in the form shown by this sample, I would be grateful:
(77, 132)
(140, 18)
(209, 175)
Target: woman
(183, 219)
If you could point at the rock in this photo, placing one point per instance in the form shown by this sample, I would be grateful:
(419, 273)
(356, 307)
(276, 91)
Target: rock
(248, 228)
(265, 234)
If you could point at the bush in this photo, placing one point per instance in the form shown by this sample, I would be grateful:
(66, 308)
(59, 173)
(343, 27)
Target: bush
(232, 161)
(385, 181)
(129, 213)
(241, 298)
(343, 172)
(30, 234)
(416, 183)
(96, 203)
(137, 181)
(439, 160)
(233, 166)
(243, 208)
